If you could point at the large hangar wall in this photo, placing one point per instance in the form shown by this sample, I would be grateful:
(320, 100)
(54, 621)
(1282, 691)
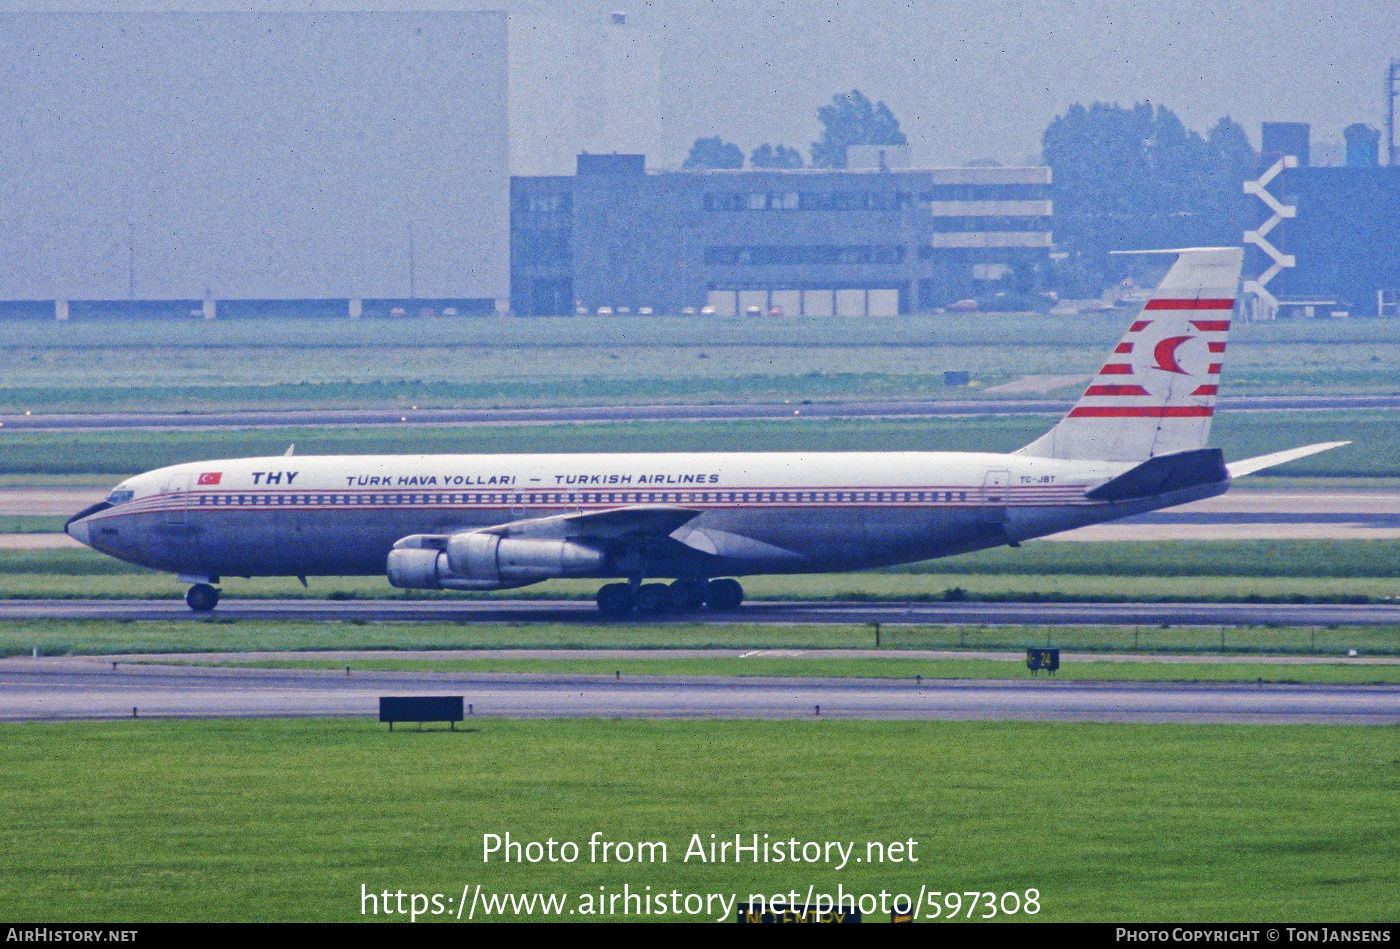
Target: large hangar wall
(253, 155)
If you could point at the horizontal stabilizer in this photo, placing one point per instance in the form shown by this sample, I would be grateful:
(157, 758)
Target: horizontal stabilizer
(1162, 474)
(1238, 469)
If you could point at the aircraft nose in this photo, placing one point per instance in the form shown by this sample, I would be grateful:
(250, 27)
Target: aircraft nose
(77, 526)
(78, 530)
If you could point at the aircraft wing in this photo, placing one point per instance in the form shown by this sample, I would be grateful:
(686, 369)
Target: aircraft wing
(1238, 469)
(613, 524)
(617, 524)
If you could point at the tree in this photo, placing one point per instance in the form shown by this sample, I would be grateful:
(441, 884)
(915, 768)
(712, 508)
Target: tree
(780, 156)
(1231, 161)
(1137, 178)
(852, 119)
(714, 152)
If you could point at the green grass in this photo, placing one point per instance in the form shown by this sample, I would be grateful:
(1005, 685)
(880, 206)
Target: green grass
(303, 363)
(1375, 452)
(1181, 558)
(871, 668)
(95, 480)
(31, 524)
(1273, 482)
(220, 634)
(1183, 571)
(1241, 558)
(867, 587)
(1257, 559)
(278, 820)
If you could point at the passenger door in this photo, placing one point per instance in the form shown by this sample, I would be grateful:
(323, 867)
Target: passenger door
(177, 506)
(995, 485)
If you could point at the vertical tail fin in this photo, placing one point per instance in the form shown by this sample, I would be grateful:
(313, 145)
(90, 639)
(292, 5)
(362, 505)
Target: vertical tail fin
(1155, 394)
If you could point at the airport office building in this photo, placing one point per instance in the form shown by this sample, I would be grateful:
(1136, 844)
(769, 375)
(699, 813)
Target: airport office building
(1333, 231)
(875, 239)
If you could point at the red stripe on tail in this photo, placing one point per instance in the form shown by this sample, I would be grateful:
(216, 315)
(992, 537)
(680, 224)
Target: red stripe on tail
(1142, 411)
(1190, 305)
(1116, 390)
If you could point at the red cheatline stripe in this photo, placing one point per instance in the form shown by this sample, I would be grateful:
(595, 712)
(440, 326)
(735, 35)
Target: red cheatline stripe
(1124, 348)
(1139, 326)
(1214, 369)
(1204, 390)
(1216, 347)
(1115, 390)
(1141, 411)
(1116, 369)
(1211, 326)
(1190, 305)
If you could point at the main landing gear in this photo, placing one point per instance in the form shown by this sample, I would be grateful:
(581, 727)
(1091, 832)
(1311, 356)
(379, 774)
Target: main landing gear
(202, 597)
(619, 600)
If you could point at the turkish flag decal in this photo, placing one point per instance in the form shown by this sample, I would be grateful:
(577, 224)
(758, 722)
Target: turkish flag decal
(210, 477)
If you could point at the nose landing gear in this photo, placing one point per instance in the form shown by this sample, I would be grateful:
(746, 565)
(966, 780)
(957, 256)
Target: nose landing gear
(202, 597)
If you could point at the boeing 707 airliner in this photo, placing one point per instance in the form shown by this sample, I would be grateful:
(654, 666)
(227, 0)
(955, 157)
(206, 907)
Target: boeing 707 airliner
(1134, 442)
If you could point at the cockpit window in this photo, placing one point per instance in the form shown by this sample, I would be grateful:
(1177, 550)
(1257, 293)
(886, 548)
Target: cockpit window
(117, 497)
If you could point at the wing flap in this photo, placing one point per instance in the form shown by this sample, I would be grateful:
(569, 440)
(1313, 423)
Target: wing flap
(613, 524)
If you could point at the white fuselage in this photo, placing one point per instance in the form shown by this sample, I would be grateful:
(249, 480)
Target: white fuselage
(757, 512)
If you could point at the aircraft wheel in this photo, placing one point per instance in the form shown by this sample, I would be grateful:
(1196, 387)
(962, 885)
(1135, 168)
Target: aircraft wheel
(724, 595)
(653, 599)
(615, 600)
(202, 598)
(686, 595)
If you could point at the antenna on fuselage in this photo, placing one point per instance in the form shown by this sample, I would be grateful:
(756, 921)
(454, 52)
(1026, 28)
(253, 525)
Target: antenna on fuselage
(291, 450)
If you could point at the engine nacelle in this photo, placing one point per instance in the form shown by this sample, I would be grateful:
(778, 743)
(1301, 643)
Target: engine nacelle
(478, 556)
(421, 568)
(477, 561)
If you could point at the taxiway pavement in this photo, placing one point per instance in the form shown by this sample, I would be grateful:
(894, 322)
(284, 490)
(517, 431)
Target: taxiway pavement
(83, 689)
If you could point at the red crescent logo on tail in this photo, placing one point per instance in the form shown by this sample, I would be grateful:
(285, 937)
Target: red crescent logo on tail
(1165, 354)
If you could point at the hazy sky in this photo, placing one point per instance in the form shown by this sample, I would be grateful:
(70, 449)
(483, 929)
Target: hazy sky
(968, 78)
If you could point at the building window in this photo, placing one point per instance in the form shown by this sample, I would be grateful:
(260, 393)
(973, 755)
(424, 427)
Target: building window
(779, 255)
(850, 200)
(985, 192)
(724, 202)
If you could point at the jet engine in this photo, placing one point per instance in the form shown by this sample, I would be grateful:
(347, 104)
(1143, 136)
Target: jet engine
(481, 561)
